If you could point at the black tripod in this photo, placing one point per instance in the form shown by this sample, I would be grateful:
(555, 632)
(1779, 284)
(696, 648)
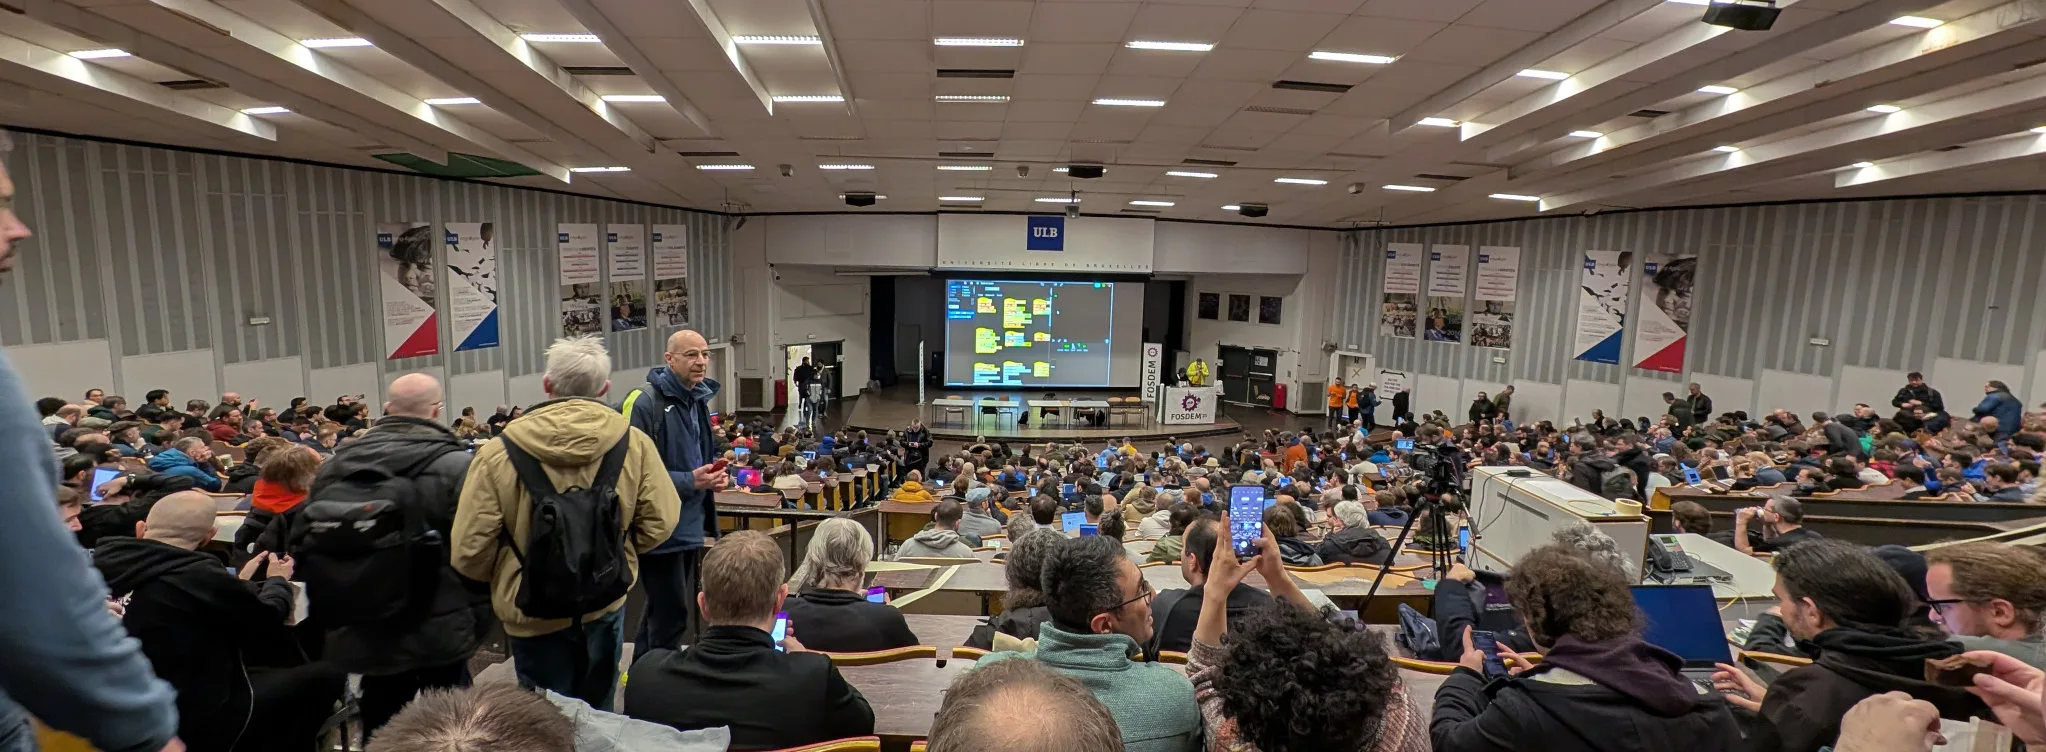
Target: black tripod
(1440, 558)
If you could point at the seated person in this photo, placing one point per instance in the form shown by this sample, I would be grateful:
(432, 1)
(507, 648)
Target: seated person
(1290, 679)
(979, 712)
(1913, 478)
(1044, 510)
(942, 538)
(2002, 484)
(912, 489)
(1023, 605)
(189, 457)
(1158, 523)
(1100, 616)
(1467, 598)
(1598, 687)
(733, 676)
(1175, 612)
(1353, 541)
(1782, 522)
(1384, 510)
(1990, 596)
(1283, 521)
(978, 521)
(212, 635)
(496, 716)
(830, 602)
(1170, 547)
(1843, 599)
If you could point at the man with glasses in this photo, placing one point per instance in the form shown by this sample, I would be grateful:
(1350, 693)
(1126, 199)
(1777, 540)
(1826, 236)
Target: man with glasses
(674, 409)
(1990, 596)
(1100, 616)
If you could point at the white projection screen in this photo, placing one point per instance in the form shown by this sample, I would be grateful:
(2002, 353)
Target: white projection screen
(1042, 333)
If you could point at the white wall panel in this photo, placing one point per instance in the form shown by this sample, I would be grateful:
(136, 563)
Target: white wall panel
(1644, 397)
(67, 369)
(896, 240)
(1800, 393)
(1438, 393)
(1874, 386)
(329, 383)
(1093, 244)
(1580, 397)
(1960, 382)
(1728, 393)
(188, 375)
(525, 391)
(274, 382)
(1189, 248)
(483, 391)
(1534, 401)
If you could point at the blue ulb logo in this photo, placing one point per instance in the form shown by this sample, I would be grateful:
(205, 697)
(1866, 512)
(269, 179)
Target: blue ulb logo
(1046, 234)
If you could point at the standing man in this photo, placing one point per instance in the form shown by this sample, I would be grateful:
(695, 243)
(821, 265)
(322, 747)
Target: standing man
(1502, 403)
(917, 439)
(1364, 407)
(674, 409)
(1402, 404)
(1701, 405)
(1998, 403)
(70, 662)
(1917, 393)
(1338, 404)
(805, 375)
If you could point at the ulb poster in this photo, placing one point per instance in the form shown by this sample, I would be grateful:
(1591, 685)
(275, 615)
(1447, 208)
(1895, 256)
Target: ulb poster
(472, 282)
(626, 245)
(405, 271)
(1449, 266)
(1396, 310)
(1498, 287)
(1602, 305)
(1664, 324)
(582, 300)
(671, 275)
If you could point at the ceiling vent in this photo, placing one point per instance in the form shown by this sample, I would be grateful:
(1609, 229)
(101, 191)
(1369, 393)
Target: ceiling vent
(1646, 113)
(460, 166)
(1312, 86)
(1955, 147)
(1209, 162)
(1452, 178)
(703, 154)
(976, 73)
(192, 84)
(966, 155)
(1278, 110)
(1229, 148)
(1141, 210)
(596, 70)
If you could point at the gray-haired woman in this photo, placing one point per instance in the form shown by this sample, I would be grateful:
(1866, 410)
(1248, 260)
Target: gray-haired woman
(831, 609)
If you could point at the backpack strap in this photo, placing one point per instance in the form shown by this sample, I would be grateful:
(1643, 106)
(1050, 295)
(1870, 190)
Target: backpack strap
(613, 465)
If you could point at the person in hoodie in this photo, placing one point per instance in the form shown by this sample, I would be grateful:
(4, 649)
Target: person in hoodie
(1170, 548)
(673, 408)
(1850, 610)
(912, 489)
(977, 523)
(287, 474)
(1589, 469)
(1990, 596)
(1599, 687)
(220, 640)
(830, 602)
(184, 458)
(1998, 403)
(1639, 458)
(1023, 607)
(1354, 542)
(942, 539)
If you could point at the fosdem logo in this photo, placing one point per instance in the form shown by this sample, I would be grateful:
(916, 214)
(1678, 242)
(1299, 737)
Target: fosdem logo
(1190, 402)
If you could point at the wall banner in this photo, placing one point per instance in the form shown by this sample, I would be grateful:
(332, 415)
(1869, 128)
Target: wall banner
(1154, 363)
(1498, 286)
(671, 275)
(626, 245)
(1397, 311)
(405, 270)
(472, 284)
(582, 296)
(1602, 305)
(1664, 324)
(1449, 268)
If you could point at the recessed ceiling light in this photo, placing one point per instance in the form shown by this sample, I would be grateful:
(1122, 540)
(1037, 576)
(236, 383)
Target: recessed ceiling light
(724, 167)
(1350, 57)
(961, 199)
(965, 167)
(1056, 200)
(782, 39)
(1544, 74)
(599, 169)
(337, 42)
(562, 38)
(271, 110)
(1300, 181)
(1186, 174)
(972, 97)
(1514, 197)
(1917, 22)
(1885, 108)
(1586, 134)
(1726, 149)
(1410, 188)
(447, 101)
(1112, 102)
(1862, 165)
(977, 42)
(808, 98)
(1231, 207)
(845, 167)
(1439, 122)
(99, 54)
(1171, 46)
(1716, 89)
(1151, 203)
(634, 98)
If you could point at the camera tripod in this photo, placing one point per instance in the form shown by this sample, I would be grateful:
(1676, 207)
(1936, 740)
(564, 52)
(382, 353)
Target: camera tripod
(1439, 559)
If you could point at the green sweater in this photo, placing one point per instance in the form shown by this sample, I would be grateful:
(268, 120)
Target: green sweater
(1168, 548)
(1152, 704)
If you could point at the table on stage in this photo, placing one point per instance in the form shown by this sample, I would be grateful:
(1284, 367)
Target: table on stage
(972, 408)
(1066, 407)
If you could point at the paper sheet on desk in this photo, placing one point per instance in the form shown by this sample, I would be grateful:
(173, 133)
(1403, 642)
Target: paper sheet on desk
(1973, 736)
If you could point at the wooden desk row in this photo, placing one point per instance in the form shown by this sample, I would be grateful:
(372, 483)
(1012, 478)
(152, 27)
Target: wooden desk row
(1861, 519)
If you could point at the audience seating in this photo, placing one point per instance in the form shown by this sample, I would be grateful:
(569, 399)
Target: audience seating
(870, 658)
(855, 744)
(1172, 656)
(964, 653)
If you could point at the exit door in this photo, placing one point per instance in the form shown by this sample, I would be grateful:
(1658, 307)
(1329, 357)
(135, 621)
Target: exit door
(1247, 375)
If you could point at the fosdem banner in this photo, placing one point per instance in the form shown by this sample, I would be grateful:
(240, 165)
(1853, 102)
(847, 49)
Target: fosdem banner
(1498, 286)
(1449, 268)
(582, 300)
(472, 283)
(1397, 311)
(1664, 324)
(1602, 305)
(627, 247)
(405, 274)
(671, 275)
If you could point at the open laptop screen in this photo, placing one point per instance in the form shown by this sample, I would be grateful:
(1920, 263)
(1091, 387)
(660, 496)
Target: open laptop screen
(1684, 619)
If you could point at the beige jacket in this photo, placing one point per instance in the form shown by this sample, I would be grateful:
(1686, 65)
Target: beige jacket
(569, 437)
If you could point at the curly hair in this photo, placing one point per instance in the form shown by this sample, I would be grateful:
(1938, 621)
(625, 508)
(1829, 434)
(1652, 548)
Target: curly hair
(1025, 568)
(1295, 681)
(1559, 590)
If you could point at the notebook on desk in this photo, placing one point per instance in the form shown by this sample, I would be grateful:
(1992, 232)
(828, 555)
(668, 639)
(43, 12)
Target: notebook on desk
(1684, 619)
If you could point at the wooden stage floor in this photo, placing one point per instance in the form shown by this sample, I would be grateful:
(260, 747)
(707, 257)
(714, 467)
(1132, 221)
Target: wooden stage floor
(893, 408)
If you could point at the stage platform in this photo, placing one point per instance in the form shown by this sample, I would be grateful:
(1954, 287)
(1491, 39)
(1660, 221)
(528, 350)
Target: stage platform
(893, 408)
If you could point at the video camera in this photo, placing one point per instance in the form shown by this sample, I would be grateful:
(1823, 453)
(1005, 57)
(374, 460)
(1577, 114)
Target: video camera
(1439, 468)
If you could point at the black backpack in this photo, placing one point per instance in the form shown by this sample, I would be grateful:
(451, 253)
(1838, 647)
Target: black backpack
(363, 548)
(575, 560)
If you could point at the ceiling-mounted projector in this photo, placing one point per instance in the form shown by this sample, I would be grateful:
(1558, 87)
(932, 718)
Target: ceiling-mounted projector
(1746, 15)
(1253, 210)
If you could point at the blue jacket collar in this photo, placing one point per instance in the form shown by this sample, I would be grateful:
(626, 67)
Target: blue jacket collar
(671, 386)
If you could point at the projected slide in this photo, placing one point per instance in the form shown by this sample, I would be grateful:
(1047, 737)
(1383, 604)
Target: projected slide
(1026, 334)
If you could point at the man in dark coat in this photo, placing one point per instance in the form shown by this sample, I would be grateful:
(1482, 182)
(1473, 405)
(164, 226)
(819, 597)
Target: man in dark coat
(1917, 393)
(673, 409)
(1701, 405)
(916, 441)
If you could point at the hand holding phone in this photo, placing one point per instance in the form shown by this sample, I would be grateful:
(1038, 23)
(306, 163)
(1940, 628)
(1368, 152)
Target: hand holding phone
(780, 633)
(1482, 647)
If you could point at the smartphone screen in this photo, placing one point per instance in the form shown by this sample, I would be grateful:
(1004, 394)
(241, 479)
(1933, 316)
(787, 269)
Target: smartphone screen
(1246, 519)
(100, 477)
(877, 595)
(781, 631)
(1487, 644)
(1463, 540)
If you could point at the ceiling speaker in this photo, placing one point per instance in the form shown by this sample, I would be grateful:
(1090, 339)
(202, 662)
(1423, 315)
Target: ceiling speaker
(1253, 210)
(1757, 15)
(1086, 171)
(859, 198)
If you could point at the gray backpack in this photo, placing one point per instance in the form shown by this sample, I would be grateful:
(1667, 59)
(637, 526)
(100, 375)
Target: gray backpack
(1617, 483)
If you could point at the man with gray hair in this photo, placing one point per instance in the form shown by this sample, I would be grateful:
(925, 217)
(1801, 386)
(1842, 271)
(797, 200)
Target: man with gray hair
(978, 523)
(570, 440)
(673, 408)
(1354, 542)
(69, 660)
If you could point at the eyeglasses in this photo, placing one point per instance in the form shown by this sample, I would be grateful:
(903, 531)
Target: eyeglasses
(1943, 603)
(1144, 593)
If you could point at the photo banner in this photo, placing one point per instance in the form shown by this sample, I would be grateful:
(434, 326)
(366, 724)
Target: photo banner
(405, 270)
(1449, 269)
(1397, 312)
(626, 246)
(1498, 286)
(671, 275)
(1602, 305)
(582, 300)
(1663, 326)
(472, 284)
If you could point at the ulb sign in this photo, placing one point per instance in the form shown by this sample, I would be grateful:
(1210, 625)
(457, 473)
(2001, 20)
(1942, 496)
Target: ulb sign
(1046, 234)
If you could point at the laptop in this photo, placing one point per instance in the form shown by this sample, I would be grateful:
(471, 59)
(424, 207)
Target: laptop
(1071, 521)
(1684, 619)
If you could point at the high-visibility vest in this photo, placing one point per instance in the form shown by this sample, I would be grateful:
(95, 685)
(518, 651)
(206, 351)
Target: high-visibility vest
(1197, 373)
